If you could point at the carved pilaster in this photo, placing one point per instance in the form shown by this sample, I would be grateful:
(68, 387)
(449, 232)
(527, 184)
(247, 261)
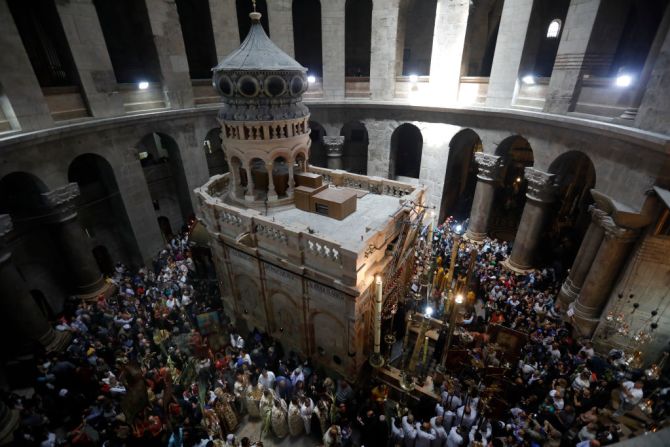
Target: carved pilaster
(541, 187)
(488, 167)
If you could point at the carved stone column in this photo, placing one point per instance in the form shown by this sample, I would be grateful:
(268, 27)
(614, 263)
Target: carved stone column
(291, 180)
(23, 316)
(601, 277)
(541, 192)
(272, 193)
(249, 196)
(334, 147)
(85, 274)
(584, 259)
(488, 171)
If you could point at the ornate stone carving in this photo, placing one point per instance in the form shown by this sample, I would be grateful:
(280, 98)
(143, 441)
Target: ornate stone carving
(6, 224)
(614, 231)
(541, 187)
(488, 166)
(334, 146)
(597, 215)
(64, 195)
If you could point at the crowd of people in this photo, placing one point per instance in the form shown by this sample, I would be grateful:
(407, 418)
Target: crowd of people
(144, 368)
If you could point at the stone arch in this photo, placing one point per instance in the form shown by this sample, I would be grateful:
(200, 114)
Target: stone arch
(244, 8)
(515, 155)
(355, 149)
(101, 209)
(250, 301)
(317, 152)
(460, 178)
(164, 173)
(216, 157)
(331, 335)
(575, 176)
(406, 150)
(358, 35)
(21, 194)
(286, 315)
(259, 174)
(307, 35)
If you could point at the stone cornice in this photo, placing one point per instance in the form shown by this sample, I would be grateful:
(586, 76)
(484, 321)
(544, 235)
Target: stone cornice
(63, 196)
(541, 187)
(488, 166)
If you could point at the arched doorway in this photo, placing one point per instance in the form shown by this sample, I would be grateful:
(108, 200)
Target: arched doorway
(460, 179)
(516, 155)
(164, 173)
(244, 8)
(355, 150)
(216, 158)
(416, 24)
(569, 218)
(406, 149)
(280, 176)
(357, 37)
(166, 228)
(307, 35)
(102, 212)
(318, 155)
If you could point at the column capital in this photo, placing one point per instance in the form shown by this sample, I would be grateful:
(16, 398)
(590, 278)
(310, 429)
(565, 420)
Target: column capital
(597, 214)
(63, 199)
(488, 166)
(334, 146)
(541, 187)
(614, 231)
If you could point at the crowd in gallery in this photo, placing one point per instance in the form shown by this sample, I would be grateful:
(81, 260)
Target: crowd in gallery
(145, 368)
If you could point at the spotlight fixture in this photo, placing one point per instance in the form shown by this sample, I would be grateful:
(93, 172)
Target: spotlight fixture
(459, 299)
(459, 228)
(528, 79)
(311, 79)
(624, 80)
(413, 78)
(429, 311)
(143, 85)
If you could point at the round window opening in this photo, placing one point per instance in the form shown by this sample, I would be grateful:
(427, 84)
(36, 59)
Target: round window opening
(275, 86)
(297, 85)
(226, 86)
(248, 86)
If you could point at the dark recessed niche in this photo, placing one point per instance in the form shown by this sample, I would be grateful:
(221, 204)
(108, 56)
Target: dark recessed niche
(275, 86)
(337, 360)
(226, 86)
(297, 85)
(248, 86)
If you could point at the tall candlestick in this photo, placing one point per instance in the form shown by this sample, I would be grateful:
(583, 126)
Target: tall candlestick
(425, 351)
(378, 313)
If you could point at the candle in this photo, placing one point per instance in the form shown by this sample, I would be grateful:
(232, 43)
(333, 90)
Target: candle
(378, 312)
(425, 350)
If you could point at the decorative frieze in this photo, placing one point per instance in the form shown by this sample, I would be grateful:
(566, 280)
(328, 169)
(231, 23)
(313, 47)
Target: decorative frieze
(324, 290)
(279, 273)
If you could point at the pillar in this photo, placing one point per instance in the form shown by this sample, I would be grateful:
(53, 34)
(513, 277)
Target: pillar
(169, 44)
(224, 27)
(451, 22)
(334, 146)
(280, 19)
(654, 111)
(601, 277)
(73, 242)
(29, 110)
(383, 48)
(291, 180)
(504, 79)
(488, 169)
(584, 259)
(249, 195)
(9, 422)
(91, 58)
(332, 47)
(643, 81)
(589, 41)
(272, 193)
(541, 191)
(16, 303)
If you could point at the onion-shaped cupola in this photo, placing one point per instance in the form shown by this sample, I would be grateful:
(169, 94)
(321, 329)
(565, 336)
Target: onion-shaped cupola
(264, 124)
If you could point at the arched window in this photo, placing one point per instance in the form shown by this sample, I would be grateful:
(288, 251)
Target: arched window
(554, 29)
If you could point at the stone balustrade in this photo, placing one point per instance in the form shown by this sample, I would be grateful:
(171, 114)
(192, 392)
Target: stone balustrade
(374, 185)
(265, 130)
